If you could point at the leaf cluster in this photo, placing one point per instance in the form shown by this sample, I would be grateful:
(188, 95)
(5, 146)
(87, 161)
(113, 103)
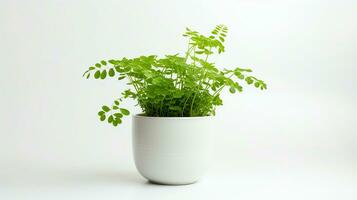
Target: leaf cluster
(174, 85)
(114, 113)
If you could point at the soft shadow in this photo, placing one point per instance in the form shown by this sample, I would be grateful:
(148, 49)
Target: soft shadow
(89, 178)
(86, 177)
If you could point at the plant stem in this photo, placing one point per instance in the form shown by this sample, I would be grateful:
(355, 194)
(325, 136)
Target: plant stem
(193, 100)
(220, 89)
(184, 105)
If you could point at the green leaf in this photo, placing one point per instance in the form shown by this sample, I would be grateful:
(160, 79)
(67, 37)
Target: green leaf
(240, 89)
(88, 75)
(121, 77)
(102, 118)
(249, 80)
(116, 102)
(100, 113)
(256, 84)
(115, 123)
(115, 107)
(118, 69)
(214, 88)
(232, 90)
(110, 119)
(103, 74)
(103, 62)
(113, 62)
(97, 74)
(105, 108)
(98, 65)
(91, 68)
(111, 72)
(119, 115)
(242, 70)
(124, 111)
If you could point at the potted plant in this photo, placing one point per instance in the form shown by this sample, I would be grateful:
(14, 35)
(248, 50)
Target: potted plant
(178, 96)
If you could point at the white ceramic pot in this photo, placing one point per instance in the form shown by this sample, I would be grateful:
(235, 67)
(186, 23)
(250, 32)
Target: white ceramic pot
(172, 150)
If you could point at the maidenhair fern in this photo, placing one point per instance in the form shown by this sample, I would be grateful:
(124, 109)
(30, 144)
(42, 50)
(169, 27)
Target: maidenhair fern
(174, 85)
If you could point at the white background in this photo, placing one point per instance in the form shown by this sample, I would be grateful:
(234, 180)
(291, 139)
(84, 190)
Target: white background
(297, 140)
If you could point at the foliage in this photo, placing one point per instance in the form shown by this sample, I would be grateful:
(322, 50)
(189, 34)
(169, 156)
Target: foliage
(174, 86)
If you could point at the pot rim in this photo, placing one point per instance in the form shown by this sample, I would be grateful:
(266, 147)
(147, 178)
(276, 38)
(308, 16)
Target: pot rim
(141, 115)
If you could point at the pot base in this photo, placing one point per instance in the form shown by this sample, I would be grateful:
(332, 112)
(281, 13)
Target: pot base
(170, 184)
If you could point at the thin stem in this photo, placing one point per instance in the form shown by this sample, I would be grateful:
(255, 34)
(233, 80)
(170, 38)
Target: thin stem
(193, 100)
(184, 105)
(189, 49)
(162, 102)
(220, 89)
(208, 54)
